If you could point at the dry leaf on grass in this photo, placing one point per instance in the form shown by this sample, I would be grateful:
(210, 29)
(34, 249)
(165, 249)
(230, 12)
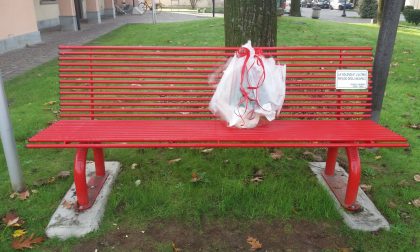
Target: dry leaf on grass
(63, 174)
(366, 188)
(416, 202)
(417, 177)
(174, 248)
(173, 161)
(257, 177)
(12, 220)
(22, 195)
(207, 150)
(255, 244)
(50, 103)
(194, 177)
(24, 242)
(276, 154)
(414, 125)
(313, 156)
(378, 157)
(134, 166)
(19, 233)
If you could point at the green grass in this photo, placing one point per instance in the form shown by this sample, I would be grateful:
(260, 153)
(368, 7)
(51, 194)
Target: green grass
(289, 191)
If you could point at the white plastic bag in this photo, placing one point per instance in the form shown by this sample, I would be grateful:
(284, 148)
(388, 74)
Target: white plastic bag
(251, 86)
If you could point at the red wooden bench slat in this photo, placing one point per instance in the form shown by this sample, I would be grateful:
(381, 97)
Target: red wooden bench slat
(196, 130)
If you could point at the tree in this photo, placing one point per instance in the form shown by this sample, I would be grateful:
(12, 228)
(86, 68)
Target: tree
(383, 54)
(380, 11)
(368, 8)
(254, 20)
(193, 4)
(295, 8)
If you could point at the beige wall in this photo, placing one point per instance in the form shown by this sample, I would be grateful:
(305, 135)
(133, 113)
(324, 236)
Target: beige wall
(200, 3)
(415, 3)
(45, 11)
(17, 18)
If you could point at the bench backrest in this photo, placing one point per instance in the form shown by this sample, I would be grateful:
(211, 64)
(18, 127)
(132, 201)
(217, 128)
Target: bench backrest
(134, 82)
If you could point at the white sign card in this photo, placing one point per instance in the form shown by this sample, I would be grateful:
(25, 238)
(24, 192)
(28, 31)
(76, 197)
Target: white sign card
(351, 79)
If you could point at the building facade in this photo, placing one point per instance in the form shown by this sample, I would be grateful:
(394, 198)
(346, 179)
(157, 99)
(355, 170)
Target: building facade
(21, 20)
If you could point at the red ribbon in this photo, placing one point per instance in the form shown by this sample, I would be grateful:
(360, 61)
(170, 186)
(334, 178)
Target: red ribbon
(246, 90)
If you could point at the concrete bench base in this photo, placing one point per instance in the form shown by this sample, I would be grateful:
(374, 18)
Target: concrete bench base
(66, 222)
(369, 219)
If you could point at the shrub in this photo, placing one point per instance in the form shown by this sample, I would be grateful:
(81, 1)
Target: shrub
(411, 15)
(368, 8)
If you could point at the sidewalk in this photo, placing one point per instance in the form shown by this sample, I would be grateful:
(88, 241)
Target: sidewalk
(18, 61)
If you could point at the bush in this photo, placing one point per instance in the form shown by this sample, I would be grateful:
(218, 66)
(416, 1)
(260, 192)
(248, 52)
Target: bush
(411, 15)
(368, 8)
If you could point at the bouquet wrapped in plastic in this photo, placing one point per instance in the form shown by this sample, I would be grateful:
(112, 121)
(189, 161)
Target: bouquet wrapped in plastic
(251, 86)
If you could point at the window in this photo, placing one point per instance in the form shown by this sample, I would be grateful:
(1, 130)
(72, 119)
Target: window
(47, 1)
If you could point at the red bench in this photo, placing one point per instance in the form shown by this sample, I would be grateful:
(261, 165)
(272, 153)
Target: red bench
(157, 97)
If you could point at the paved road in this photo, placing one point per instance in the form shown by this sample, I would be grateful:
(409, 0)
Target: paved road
(335, 15)
(19, 61)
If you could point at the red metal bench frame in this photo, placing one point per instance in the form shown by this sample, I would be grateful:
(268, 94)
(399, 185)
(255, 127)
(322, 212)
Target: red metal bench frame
(156, 97)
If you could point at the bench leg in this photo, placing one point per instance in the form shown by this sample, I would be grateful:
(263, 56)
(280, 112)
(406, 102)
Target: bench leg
(331, 160)
(354, 178)
(98, 154)
(80, 177)
(88, 192)
(344, 191)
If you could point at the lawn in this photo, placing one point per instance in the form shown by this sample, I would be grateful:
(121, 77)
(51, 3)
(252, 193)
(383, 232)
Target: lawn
(225, 209)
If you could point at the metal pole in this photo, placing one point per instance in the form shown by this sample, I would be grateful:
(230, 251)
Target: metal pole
(214, 7)
(344, 9)
(9, 144)
(154, 11)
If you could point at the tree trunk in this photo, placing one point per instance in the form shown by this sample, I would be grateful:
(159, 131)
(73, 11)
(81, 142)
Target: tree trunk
(254, 20)
(295, 8)
(383, 54)
(380, 11)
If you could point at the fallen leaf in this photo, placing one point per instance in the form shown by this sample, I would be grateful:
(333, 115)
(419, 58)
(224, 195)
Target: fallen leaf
(378, 157)
(195, 178)
(34, 191)
(19, 233)
(23, 243)
(12, 220)
(24, 195)
(173, 161)
(50, 103)
(21, 195)
(174, 248)
(416, 202)
(138, 182)
(276, 154)
(63, 174)
(414, 125)
(403, 183)
(366, 188)
(392, 205)
(257, 179)
(134, 166)
(313, 156)
(255, 244)
(67, 204)
(417, 177)
(207, 150)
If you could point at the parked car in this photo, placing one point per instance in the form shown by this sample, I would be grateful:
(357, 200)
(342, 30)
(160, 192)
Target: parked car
(323, 4)
(287, 6)
(339, 4)
(307, 3)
